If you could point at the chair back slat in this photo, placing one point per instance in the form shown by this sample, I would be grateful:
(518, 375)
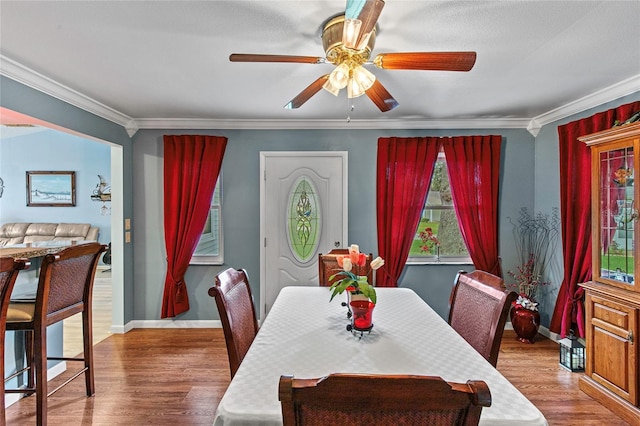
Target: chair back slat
(479, 310)
(9, 269)
(234, 301)
(361, 399)
(328, 266)
(66, 278)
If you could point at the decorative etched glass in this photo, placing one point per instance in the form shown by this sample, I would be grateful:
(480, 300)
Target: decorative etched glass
(617, 216)
(303, 219)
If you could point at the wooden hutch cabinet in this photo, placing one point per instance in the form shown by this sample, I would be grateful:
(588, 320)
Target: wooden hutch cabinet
(612, 301)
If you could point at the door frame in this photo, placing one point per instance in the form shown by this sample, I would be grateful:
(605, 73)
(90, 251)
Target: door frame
(345, 202)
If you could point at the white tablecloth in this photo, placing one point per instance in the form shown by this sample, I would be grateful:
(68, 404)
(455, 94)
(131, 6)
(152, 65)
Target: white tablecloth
(304, 335)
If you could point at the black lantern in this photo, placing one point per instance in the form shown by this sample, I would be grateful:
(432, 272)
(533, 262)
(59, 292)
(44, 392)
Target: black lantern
(572, 353)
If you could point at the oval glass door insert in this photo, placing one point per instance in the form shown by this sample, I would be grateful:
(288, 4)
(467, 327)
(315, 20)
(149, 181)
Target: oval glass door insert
(303, 219)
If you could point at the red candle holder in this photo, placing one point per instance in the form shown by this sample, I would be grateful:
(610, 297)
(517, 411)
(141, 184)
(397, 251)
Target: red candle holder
(362, 315)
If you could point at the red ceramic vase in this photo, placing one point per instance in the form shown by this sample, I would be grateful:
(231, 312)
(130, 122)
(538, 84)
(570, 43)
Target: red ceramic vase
(525, 323)
(362, 314)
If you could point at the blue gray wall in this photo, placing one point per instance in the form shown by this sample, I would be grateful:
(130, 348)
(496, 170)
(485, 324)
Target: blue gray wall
(35, 151)
(241, 207)
(26, 100)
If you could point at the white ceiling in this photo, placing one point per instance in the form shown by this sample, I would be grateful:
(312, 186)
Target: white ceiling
(146, 64)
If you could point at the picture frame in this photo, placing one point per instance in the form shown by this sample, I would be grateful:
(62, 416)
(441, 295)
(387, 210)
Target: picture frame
(51, 189)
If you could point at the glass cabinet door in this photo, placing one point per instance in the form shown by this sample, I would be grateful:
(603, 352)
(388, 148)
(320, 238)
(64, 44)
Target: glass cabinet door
(618, 215)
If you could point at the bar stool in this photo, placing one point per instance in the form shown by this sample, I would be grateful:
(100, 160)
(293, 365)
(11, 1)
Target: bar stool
(65, 288)
(9, 269)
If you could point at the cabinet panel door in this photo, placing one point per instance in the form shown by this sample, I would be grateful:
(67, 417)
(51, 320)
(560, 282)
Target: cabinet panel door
(616, 213)
(612, 350)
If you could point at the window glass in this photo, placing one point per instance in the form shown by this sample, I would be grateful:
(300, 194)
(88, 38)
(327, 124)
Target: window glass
(438, 237)
(303, 220)
(209, 249)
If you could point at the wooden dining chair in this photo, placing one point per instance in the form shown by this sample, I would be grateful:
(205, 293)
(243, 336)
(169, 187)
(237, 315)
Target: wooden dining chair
(328, 266)
(237, 313)
(359, 399)
(65, 288)
(479, 309)
(9, 269)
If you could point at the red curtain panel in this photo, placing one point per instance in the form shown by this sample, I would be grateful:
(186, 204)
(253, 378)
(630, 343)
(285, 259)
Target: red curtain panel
(474, 173)
(404, 173)
(575, 215)
(191, 168)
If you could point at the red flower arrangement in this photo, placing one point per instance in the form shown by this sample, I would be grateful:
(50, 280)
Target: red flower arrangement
(350, 265)
(527, 284)
(429, 240)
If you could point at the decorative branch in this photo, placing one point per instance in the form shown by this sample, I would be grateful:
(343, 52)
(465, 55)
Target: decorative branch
(536, 236)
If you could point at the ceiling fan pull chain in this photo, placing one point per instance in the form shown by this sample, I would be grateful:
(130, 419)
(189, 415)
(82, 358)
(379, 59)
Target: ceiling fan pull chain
(350, 108)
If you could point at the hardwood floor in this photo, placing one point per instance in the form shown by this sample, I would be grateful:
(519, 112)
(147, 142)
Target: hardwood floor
(534, 370)
(177, 377)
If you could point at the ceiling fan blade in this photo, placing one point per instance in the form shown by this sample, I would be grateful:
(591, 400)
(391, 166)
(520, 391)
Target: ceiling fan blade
(307, 93)
(361, 17)
(381, 97)
(250, 57)
(430, 61)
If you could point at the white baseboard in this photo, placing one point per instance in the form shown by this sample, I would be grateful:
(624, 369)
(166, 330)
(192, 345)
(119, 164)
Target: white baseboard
(172, 324)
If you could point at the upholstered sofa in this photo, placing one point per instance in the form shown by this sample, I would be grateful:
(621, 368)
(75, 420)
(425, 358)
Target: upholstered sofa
(18, 233)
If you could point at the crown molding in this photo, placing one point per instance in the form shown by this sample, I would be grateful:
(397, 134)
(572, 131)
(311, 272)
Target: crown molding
(35, 80)
(608, 94)
(184, 123)
(22, 74)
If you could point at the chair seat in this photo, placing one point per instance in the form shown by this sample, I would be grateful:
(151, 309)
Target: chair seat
(21, 312)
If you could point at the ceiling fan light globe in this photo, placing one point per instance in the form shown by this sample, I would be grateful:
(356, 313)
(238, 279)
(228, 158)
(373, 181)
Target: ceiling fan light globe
(331, 88)
(361, 80)
(364, 77)
(340, 76)
(354, 89)
(350, 32)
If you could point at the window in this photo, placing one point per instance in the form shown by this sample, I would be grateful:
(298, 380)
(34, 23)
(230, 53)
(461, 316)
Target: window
(209, 249)
(438, 238)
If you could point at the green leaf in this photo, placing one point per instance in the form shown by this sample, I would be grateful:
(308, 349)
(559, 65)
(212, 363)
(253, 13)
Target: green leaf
(368, 290)
(340, 286)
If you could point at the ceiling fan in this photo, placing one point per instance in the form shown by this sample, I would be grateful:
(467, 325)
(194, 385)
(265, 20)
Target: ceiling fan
(348, 41)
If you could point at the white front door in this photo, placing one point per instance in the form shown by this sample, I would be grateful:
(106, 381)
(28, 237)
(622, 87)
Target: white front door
(303, 212)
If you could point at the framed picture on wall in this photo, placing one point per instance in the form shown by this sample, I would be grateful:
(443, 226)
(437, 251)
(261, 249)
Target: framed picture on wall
(51, 189)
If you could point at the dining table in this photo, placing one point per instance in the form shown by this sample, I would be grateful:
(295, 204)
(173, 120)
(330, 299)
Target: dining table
(306, 335)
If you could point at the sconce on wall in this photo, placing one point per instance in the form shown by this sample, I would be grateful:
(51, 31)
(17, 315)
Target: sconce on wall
(102, 193)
